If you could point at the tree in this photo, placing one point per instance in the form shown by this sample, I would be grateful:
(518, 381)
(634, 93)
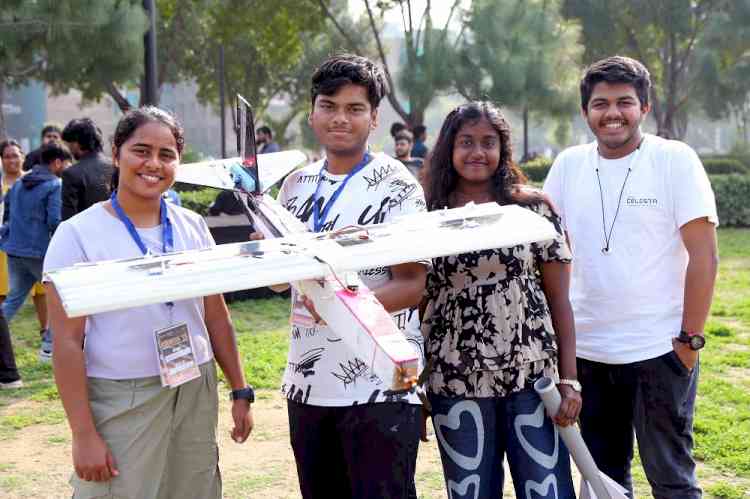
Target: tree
(17, 48)
(317, 46)
(521, 54)
(724, 68)
(666, 35)
(428, 53)
(70, 44)
(94, 47)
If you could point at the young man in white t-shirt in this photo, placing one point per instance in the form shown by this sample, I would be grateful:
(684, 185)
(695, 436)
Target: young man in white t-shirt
(641, 219)
(351, 436)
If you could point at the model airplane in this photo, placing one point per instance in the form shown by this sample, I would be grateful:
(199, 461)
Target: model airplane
(594, 483)
(322, 266)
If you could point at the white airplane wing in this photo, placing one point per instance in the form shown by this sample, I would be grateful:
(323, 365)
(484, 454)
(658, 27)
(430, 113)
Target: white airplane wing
(217, 173)
(104, 286)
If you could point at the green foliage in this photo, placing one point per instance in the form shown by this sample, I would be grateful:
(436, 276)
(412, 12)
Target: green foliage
(537, 169)
(426, 57)
(429, 56)
(263, 43)
(685, 45)
(90, 46)
(521, 54)
(317, 46)
(732, 199)
(198, 200)
(725, 491)
(114, 28)
(724, 166)
(263, 338)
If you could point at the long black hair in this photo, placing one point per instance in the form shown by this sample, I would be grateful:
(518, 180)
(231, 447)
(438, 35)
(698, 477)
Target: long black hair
(441, 175)
(133, 120)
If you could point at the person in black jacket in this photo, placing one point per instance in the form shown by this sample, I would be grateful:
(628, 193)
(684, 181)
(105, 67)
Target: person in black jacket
(90, 179)
(50, 133)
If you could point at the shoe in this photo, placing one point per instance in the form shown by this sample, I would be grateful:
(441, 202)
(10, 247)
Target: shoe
(45, 352)
(11, 385)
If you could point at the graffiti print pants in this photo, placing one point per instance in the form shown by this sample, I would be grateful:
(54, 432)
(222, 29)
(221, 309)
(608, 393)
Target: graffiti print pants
(474, 436)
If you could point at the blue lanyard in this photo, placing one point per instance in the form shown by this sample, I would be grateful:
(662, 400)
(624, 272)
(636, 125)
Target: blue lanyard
(166, 225)
(320, 218)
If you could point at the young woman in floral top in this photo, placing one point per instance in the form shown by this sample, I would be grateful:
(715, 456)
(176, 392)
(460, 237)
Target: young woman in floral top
(494, 322)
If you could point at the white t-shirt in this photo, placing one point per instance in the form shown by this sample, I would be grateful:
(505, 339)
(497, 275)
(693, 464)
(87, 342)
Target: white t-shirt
(320, 370)
(628, 303)
(120, 344)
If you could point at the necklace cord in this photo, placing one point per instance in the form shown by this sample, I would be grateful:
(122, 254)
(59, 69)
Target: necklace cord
(608, 237)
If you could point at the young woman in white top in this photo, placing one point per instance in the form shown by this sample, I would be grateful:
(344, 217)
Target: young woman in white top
(132, 436)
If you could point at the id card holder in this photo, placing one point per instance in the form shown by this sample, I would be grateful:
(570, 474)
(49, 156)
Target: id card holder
(177, 362)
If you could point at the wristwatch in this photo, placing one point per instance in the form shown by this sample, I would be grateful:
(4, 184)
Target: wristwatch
(246, 393)
(573, 383)
(695, 341)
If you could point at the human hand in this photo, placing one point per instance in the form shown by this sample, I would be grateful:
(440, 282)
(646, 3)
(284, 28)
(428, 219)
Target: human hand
(242, 415)
(92, 458)
(570, 406)
(256, 236)
(687, 355)
(310, 306)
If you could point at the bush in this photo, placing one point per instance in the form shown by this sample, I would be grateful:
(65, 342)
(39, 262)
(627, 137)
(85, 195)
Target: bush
(199, 200)
(537, 169)
(724, 166)
(732, 199)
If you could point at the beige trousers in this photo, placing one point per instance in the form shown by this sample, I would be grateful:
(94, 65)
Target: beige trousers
(163, 440)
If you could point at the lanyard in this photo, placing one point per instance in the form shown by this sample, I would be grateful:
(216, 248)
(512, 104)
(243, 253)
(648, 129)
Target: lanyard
(318, 217)
(166, 225)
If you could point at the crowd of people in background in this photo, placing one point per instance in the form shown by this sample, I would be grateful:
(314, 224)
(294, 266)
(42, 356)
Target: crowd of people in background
(40, 190)
(613, 312)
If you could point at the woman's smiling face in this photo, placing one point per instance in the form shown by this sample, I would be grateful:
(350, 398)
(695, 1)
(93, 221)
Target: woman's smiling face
(148, 160)
(476, 152)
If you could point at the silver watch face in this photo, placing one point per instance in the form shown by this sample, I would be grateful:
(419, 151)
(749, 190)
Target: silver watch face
(697, 342)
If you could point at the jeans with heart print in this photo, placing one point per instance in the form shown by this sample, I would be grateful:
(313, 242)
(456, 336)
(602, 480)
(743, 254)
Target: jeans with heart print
(475, 434)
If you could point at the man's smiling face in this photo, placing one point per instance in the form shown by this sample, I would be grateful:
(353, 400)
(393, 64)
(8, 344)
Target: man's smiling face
(614, 114)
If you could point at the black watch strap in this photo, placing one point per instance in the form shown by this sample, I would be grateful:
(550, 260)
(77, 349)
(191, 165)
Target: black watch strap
(695, 341)
(246, 393)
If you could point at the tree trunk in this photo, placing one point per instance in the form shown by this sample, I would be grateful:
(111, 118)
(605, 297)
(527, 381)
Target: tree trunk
(525, 133)
(3, 128)
(416, 117)
(117, 96)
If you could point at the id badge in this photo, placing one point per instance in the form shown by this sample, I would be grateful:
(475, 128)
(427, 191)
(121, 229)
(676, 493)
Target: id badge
(177, 362)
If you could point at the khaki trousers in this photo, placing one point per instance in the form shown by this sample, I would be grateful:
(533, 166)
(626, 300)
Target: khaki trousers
(163, 440)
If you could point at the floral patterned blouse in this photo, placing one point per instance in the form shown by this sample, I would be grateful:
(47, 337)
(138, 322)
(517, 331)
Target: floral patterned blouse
(487, 326)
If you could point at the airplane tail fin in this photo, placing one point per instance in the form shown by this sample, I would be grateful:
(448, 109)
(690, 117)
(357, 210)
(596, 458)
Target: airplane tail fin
(247, 172)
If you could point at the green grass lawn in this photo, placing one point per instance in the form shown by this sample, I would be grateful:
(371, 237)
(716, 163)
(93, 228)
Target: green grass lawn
(722, 422)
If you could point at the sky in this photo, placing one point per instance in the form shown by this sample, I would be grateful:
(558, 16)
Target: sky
(440, 10)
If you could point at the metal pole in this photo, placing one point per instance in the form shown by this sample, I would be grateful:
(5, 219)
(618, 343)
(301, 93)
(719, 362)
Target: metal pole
(222, 104)
(151, 82)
